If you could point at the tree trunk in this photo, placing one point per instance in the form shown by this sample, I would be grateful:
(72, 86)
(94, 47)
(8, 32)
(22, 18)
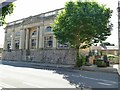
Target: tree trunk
(77, 50)
(78, 60)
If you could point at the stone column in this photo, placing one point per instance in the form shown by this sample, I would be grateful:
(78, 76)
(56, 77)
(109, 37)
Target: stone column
(13, 40)
(37, 38)
(41, 37)
(22, 39)
(5, 41)
(27, 39)
(54, 42)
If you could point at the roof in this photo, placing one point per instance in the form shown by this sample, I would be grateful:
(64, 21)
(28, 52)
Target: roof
(104, 48)
(110, 48)
(35, 17)
(96, 47)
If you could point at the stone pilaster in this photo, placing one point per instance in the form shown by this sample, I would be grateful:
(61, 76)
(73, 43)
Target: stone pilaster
(54, 42)
(27, 39)
(22, 39)
(37, 37)
(13, 40)
(41, 37)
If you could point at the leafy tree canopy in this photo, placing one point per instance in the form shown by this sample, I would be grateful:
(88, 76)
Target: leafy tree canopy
(82, 24)
(4, 11)
(106, 44)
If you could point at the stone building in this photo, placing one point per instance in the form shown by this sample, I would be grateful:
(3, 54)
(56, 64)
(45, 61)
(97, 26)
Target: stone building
(32, 39)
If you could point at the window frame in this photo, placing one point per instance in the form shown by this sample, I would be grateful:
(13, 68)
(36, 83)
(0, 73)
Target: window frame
(17, 44)
(33, 43)
(48, 42)
(48, 28)
(65, 45)
(17, 34)
(34, 33)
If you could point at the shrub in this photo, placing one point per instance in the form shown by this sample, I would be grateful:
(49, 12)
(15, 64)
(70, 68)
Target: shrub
(83, 60)
(80, 61)
(100, 63)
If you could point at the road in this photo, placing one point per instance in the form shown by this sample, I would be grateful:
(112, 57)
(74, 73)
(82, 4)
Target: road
(27, 77)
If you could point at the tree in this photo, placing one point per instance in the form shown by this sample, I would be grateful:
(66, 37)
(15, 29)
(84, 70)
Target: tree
(82, 24)
(106, 44)
(4, 11)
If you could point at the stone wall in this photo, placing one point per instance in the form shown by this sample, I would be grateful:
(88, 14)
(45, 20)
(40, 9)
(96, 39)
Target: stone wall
(54, 56)
(13, 55)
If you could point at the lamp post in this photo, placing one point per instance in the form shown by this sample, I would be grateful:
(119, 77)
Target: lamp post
(119, 34)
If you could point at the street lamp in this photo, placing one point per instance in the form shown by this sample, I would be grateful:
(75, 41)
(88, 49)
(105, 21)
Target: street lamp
(118, 9)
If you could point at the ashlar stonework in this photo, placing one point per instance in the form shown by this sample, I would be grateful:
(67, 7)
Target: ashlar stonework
(32, 39)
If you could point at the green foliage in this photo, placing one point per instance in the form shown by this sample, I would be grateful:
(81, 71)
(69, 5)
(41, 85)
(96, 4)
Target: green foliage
(78, 62)
(8, 9)
(106, 44)
(100, 63)
(82, 24)
(81, 60)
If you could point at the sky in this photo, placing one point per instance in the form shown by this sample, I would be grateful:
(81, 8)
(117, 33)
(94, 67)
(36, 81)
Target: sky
(26, 8)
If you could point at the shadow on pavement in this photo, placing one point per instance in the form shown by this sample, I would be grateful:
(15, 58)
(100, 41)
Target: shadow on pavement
(69, 74)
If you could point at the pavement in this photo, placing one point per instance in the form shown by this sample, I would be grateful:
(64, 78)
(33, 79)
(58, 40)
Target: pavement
(117, 66)
(26, 77)
(111, 69)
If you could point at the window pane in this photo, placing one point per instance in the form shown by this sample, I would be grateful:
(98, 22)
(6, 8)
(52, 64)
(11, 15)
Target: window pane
(48, 29)
(48, 41)
(33, 43)
(63, 45)
(17, 33)
(8, 45)
(16, 44)
(34, 33)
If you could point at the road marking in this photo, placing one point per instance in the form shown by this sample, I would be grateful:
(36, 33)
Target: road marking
(33, 85)
(96, 79)
(104, 83)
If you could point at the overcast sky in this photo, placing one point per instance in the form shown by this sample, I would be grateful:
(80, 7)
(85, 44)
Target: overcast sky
(26, 8)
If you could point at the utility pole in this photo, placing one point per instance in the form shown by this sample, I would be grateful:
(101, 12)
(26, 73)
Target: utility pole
(119, 34)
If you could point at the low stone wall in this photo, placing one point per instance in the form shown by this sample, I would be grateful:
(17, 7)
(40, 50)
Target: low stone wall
(54, 56)
(14, 55)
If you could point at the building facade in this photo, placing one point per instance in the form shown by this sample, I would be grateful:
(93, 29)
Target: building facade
(32, 39)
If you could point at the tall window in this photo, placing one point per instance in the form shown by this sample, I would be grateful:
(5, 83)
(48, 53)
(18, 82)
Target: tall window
(8, 45)
(49, 28)
(48, 41)
(33, 43)
(34, 33)
(16, 44)
(10, 35)
(17, 33)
